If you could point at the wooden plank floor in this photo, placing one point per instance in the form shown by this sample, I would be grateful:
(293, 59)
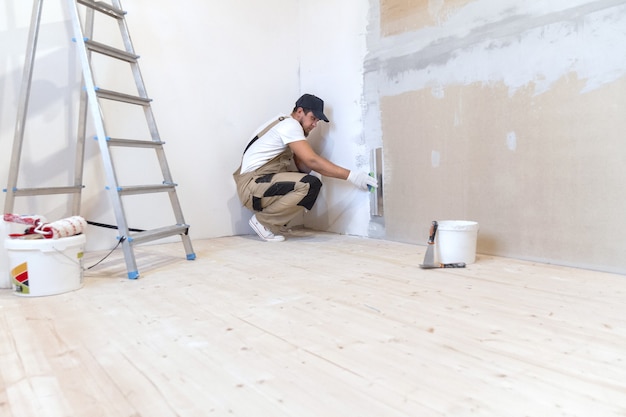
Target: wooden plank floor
(319, 325)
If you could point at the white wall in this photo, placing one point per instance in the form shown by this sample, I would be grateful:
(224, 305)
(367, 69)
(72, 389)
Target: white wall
(215, 71)
(333, 48)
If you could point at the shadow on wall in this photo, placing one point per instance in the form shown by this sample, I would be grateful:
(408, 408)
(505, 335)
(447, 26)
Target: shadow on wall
(51, 120)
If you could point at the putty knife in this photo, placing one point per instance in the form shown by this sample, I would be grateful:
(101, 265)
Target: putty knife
(454, 265)
(429, 257)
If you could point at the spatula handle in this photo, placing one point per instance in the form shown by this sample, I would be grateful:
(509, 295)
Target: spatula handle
(432, 232)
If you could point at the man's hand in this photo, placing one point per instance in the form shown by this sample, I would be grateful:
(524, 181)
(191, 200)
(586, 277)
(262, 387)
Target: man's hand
(362, 180)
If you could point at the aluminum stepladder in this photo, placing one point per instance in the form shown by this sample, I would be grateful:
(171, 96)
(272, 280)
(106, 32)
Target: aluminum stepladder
(90, 102)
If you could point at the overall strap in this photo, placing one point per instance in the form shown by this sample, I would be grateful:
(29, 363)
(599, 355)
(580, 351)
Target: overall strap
(264, 131)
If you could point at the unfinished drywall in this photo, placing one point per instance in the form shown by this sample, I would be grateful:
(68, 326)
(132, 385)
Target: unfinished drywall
(509, 114)
(398, 16)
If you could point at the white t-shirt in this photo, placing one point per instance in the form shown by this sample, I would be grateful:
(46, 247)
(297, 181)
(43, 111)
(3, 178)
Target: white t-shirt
(272, 143)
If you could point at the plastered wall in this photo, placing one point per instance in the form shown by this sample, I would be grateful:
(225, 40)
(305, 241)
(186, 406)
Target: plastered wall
(506, 113)
(404, 16)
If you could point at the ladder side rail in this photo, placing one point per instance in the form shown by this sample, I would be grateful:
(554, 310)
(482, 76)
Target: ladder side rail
(139, 82)
(178, 214)
(141, 88)
(22, 110)
(81, 132)
(165, 170)
(97, 118)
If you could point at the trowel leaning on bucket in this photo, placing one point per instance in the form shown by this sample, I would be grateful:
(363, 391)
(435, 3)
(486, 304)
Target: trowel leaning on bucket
(429, 257)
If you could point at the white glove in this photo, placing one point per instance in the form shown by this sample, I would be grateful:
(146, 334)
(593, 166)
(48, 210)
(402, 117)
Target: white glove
(362, 180)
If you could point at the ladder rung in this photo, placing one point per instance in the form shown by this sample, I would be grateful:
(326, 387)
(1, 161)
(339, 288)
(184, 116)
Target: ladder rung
(126, 98)
(46, 190)
(146, 189)
(160, 233)
(103, 8)
(134, 143)
(110, 51)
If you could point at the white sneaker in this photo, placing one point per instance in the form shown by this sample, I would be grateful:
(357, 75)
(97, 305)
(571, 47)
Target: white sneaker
(263, 232)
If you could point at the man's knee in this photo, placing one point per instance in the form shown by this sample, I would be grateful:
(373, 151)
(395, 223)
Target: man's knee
(314, 189)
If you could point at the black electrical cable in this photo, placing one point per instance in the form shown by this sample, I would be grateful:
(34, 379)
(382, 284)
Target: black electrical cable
(107, 255)
(119, 242)
(111, 226)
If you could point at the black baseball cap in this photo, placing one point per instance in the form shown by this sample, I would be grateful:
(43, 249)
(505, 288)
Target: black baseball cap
(316, 104)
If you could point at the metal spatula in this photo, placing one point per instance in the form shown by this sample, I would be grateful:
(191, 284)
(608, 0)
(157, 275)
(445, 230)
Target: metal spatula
(429, 257)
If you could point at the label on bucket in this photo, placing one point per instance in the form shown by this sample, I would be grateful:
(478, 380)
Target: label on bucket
(19, 278)
(45, 266)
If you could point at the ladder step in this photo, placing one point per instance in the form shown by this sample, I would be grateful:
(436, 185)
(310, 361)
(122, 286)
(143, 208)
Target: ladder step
(160, 233)
(110, 51)
(103, 8)
(46, 190)
(145, 189)
(133, 143)
(126, 98)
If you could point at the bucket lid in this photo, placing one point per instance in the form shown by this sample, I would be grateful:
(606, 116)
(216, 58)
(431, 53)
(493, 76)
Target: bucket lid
(45, 244)
(457, 225)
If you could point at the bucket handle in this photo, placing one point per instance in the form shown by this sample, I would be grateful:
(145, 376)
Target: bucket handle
(70, 259)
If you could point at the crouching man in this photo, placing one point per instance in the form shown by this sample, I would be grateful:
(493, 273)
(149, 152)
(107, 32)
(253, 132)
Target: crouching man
(274, 179)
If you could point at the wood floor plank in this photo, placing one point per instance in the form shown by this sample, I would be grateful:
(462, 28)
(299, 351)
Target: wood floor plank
(321, 324)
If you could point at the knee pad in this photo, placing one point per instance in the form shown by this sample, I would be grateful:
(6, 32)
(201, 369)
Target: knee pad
(314, 189)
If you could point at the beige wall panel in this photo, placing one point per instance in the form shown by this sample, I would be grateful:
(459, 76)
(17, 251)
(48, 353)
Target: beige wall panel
(542, 174)
(397, 16)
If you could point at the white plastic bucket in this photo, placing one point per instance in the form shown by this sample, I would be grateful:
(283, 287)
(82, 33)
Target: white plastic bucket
(456, 241)
(40, 267)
